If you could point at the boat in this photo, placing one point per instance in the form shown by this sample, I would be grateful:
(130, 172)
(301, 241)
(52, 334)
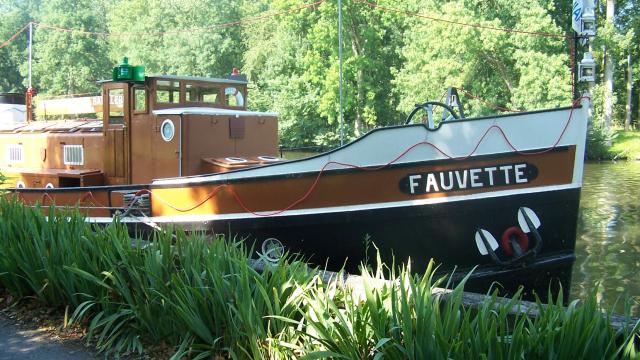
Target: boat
(496, 195)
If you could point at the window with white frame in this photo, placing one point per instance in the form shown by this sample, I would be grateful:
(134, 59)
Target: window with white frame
(14, 153)
(73, 155)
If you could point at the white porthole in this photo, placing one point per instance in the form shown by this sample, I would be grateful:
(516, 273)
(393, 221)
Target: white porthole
(268, 158)
(232, 159)
(49, 186)
(167, 130)
(20, 185)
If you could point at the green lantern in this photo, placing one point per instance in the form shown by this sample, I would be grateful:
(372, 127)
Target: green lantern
(123, 71)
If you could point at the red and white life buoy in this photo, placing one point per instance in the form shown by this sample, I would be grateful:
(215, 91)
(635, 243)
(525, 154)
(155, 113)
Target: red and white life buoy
(233, 91)
(521, 238)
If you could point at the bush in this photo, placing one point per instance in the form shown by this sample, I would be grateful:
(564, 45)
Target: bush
(599, 142)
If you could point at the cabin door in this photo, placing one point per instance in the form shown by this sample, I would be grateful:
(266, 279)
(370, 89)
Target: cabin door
(117, 142)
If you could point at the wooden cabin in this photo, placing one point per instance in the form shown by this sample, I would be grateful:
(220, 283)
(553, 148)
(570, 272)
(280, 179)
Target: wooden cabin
(162, 126)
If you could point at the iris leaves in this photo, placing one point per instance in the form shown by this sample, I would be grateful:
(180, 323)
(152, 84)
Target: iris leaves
(200, 295)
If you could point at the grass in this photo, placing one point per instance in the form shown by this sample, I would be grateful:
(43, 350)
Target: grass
(201, 296)
(626, 145)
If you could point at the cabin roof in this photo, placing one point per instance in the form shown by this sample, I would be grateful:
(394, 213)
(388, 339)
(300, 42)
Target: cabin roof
(180, 78)
(198, 78)
(210, 111)
(58, 126)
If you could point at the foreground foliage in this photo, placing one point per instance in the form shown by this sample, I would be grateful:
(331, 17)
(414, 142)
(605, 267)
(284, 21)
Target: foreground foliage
(202, 296)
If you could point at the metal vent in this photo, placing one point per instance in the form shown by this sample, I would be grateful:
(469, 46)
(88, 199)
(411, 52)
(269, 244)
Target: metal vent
(73, 155)
(14, 153)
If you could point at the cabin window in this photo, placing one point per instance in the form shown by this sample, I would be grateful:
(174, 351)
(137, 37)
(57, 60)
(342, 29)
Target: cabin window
(167, 91)
(73, 155)
(202, 93)
(14, 153)
(139, 99)
(116, 106)
(234, 96)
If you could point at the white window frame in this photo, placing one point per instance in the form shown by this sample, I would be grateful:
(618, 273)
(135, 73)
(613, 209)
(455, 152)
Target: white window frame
(68, 149)
(15, 149)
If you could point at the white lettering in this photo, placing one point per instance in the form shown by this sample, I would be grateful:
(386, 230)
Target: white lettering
(490, 171)
(413, 182)
(506, 169)
(475, 177)
(431, 182)
(462, 183)
(520, 173)
(442, 184)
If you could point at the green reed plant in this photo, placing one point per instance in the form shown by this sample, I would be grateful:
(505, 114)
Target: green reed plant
(201, 294)
(404, 320)
(229, 307)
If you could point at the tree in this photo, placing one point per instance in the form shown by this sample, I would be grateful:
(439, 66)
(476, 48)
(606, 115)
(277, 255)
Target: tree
(507, 69)
(608, 70)
(307, 41)
(70, 62)
(14, 14)
(178, 37)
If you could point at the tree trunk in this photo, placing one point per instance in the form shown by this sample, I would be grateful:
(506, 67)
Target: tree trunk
(627, 119)
(608, 73)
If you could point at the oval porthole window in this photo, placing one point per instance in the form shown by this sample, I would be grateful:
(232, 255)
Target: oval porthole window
(20, 185)
(49, 186)
(167, 130)
(268, 158)
(232, 159)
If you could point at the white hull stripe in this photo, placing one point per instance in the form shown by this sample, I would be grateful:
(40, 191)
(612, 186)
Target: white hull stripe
(338, 209)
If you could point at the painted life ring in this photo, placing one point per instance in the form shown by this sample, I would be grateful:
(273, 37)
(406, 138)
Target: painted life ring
(521, 238)
(233, 91)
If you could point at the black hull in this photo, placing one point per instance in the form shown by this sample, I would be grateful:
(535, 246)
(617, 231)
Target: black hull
(443, 231)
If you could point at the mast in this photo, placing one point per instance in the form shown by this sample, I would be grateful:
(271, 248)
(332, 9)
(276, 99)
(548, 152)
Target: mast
(340, 71)
(30, 90)
(30, 53)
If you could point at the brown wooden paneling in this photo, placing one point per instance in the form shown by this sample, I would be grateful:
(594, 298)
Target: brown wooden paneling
(165, 154)
(260, 137)
(142, 131)
(210, 136)
(117, 140)
(346, 188)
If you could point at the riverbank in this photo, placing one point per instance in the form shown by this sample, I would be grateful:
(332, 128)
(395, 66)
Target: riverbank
(201, 298)
(626, 145)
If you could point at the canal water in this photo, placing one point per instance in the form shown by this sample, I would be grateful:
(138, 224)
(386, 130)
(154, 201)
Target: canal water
(608, 237)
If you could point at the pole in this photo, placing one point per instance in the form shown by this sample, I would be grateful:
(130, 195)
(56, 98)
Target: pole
(30, 43)
(574, 71)
(340, 71)
(30, 92)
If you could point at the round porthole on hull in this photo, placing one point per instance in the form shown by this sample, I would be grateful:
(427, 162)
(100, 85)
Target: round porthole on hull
(20, 185)
(49, 186)
(167, 130)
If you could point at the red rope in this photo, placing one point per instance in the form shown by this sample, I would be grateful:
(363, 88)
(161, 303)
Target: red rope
(324, 167)
(212, 194)
(92, 198)
(47, 196)
(314, 185)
